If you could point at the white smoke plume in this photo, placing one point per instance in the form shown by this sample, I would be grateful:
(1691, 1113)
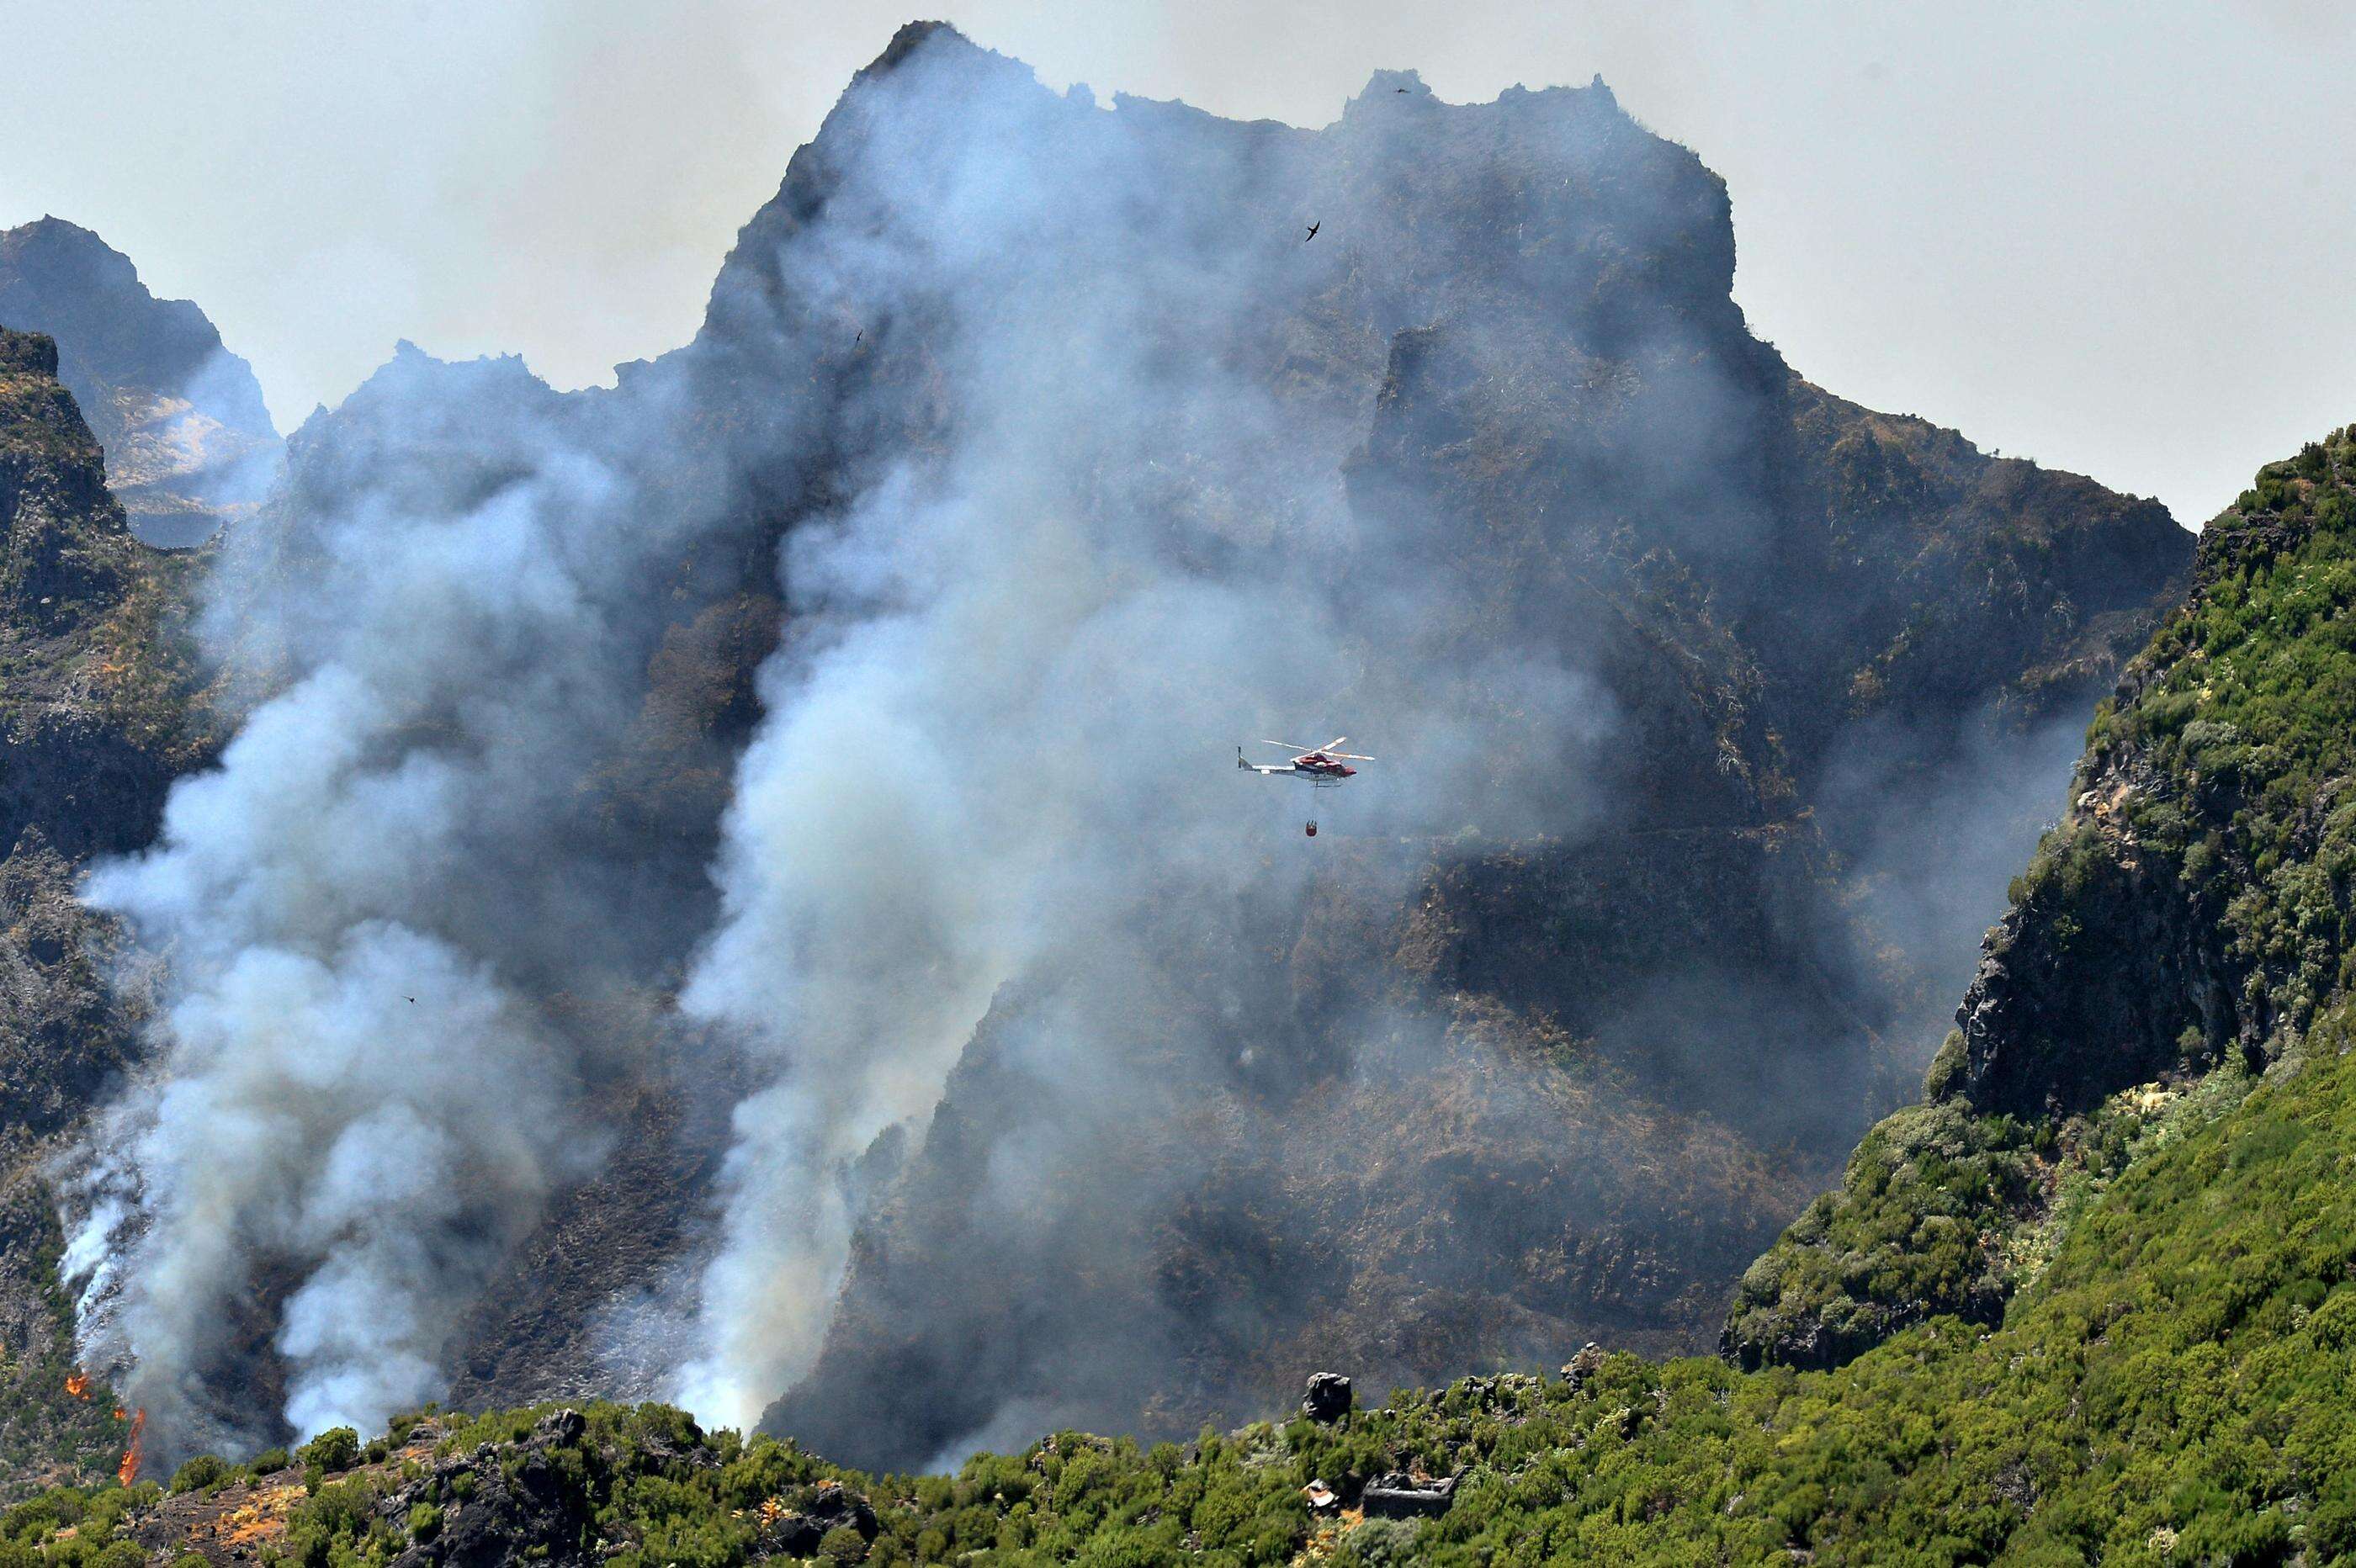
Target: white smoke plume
(1002, 723)
(351, 1110)
(1071, 438)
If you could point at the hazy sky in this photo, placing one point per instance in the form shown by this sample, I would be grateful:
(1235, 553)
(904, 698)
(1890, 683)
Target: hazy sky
(2115, 237)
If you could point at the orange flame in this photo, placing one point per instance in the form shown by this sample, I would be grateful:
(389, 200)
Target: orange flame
(128, 1471)
(78, 1384)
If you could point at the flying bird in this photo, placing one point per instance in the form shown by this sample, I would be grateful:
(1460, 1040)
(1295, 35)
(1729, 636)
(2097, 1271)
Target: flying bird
(1312, 231)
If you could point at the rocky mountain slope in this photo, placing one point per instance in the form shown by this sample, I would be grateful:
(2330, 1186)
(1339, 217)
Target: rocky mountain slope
(98, 713)
(2178, 933)
(2161, 1373)
(187, 441)
(1586, 1067)
(1684, 662)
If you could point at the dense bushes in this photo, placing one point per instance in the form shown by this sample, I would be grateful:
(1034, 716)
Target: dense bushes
(203, 1471)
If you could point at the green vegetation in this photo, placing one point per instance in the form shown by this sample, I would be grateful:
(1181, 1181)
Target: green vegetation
(2250, 713)
(2184, 922)
(71, 1527)
(206, 1472)
(336, 1449)
(1905, 1238)
(2177, 1385)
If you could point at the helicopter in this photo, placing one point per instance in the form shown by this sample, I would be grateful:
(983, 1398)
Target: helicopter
(1325, 767)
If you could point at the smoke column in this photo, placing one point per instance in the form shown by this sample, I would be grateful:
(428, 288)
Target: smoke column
(1075, 464)
(350, 1106)
(1000, 728)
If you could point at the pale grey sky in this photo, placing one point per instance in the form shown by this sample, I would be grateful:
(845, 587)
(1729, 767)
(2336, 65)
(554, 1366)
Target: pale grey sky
(2115, 237)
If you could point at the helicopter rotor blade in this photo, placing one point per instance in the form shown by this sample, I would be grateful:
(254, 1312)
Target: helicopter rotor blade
(1350, 756)
(1287, 746)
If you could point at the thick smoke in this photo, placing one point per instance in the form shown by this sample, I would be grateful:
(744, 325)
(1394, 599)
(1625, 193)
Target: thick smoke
(1000, 726)
(354, 1109)
(1072, 464)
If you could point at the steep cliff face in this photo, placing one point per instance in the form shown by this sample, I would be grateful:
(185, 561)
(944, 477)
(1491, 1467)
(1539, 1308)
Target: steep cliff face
(187, 441)
(96, 716)
(2178, 930)
(1821, 634)
(93, 722)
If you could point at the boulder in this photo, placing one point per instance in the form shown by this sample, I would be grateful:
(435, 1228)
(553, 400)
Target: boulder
(1328, 1397)
(1397, 1494)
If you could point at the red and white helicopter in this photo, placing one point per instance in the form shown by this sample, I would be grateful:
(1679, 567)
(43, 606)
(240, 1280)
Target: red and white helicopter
(1325, 766)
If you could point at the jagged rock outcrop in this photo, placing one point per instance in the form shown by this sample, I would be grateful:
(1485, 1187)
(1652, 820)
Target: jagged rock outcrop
(52, 488)
(188, 443)
(1396, 1494)
(93, 720)
(1327, 1397)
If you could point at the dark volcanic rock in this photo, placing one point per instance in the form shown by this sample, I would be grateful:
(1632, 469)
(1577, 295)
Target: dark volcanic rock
(1328, 1398)
(94, 720)
(62, 1030)
(1395, 1494)
(1584, 1366)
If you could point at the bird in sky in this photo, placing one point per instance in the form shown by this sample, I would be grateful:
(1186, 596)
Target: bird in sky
(1312, 231)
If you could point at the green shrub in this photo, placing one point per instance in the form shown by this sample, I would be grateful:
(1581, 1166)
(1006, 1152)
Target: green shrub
(336, 1449)
(206, 1470)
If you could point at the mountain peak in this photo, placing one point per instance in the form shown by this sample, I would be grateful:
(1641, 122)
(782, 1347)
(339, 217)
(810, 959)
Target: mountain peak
(188, 437)
(53, 238)
(1391, 83)
(932, 38)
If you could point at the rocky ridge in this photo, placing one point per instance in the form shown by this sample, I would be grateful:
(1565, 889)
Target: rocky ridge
(188, 443)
